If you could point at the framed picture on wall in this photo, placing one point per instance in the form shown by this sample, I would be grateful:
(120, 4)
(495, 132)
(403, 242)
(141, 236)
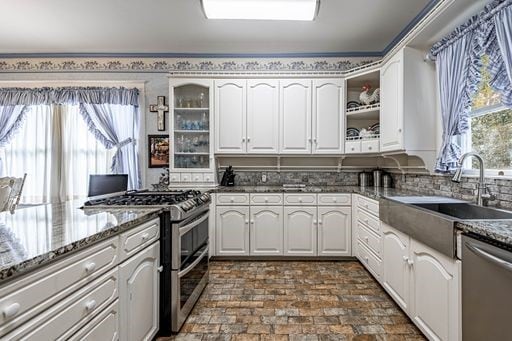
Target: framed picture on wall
(158, 151)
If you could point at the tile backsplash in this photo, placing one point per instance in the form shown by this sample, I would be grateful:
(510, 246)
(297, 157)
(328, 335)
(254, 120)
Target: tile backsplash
(465, 190)
(254, 178)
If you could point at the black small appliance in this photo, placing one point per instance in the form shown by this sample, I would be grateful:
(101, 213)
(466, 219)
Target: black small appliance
(228, 178)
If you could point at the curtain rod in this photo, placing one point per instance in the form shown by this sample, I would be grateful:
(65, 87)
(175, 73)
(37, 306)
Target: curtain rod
(486, 14)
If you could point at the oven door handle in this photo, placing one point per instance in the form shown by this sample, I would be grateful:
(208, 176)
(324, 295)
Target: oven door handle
(191, 266)
(490, 257)
(188, 227)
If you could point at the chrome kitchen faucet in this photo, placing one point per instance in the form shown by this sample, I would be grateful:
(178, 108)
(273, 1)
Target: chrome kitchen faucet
(483, 194)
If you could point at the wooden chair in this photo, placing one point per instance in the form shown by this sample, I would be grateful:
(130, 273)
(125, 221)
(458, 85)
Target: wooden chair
(10, 192)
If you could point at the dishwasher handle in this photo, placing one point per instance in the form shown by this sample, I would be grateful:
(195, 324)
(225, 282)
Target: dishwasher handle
(490, 257)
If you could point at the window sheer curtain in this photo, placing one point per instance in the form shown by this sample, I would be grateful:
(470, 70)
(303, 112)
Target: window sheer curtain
(58, 152)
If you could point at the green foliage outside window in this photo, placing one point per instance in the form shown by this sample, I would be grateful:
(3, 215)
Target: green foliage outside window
(491, 133)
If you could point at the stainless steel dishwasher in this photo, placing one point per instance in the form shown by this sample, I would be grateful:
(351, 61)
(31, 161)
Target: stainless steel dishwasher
(486, 290)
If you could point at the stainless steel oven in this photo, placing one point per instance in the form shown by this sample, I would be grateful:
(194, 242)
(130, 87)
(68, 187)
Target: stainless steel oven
(189, 273)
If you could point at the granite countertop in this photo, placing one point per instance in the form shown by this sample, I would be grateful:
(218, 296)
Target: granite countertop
(371, 192)
(38, 235)
(497, 230)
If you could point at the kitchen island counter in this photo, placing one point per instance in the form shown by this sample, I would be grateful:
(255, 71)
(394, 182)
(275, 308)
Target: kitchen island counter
(38, 235)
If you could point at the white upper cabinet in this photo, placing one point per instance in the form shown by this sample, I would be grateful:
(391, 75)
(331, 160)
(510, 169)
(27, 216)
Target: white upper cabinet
(408, 103)
(263, 116)
(230, 116)
(391, 109)
(295, 116)
(328, 121)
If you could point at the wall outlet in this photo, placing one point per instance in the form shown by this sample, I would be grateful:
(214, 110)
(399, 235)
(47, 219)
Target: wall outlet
(263, 177)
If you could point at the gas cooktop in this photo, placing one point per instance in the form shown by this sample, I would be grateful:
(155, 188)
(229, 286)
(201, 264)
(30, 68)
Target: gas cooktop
(181, 203)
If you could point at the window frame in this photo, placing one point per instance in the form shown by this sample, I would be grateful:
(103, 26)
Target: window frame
(466, 145)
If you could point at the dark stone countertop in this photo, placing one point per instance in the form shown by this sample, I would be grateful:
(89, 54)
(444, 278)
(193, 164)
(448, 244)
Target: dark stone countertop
(38, 235)
(497, 230)
(371, 192)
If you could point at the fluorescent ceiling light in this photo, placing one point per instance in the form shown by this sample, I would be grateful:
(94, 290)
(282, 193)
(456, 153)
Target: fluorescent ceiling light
(261, 9)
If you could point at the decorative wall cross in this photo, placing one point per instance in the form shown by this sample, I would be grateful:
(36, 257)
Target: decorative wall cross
(160, 108)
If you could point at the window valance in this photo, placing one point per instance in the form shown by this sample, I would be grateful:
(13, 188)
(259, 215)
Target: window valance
(69, 95)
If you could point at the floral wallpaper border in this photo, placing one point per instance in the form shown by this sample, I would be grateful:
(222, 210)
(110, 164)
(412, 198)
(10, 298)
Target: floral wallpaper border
(193, 65)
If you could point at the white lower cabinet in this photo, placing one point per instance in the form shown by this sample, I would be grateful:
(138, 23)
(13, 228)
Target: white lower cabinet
(139, 295)
(424, 282)
(232, 230)
(266, 231)
(334, 231)
(105, 326)
(395, 266)
(300, 231)
(434, 299)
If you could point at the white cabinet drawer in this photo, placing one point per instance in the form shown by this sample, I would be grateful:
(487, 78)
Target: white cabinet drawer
(232, 199)
(352, 147)
(105, 326)
(197, 177)
(369, 239)
(208, 177)
(369, 260)
(369, 220)
(267, 199)
(185, 177)
(371, 146)
(68, 316)
(334, 199)
(174, 177)
(370, 205)
(300, 199)
(28, 296)
(136, 239)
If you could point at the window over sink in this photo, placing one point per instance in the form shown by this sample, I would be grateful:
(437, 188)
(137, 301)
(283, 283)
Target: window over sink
(490, 131)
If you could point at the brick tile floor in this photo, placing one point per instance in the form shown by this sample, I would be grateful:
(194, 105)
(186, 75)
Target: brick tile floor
(283, 300)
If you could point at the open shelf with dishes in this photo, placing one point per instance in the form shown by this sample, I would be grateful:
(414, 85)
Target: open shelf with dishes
(362, 113)
(191, 134)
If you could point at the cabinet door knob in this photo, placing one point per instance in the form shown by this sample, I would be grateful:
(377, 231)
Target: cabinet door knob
(410, 262)
(320, 222)
(243, 139)
(400, 130)
(89, 267)
(246, 221)
(11, 310)
(90, 305)
(248, 139)
(369, 147)
(405, 258)
(160, 268)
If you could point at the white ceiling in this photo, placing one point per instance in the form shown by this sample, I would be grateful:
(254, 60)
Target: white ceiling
(179, 26)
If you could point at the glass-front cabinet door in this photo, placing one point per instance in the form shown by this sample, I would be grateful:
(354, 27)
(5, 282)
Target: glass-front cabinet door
(190, 137)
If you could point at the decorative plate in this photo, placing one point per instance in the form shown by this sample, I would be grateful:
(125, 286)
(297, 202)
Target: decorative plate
(375, 128)
(352, 132)
(353, 104)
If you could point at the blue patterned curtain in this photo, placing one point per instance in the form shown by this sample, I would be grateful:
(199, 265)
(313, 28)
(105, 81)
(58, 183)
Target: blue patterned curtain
(11, 120)
(99, 108)
(459, 65)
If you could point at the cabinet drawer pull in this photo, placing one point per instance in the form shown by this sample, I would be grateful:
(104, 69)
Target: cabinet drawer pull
(334, 199)
(232, 199)
(366, 239)
(266, 199)
(90, 267)
(300, 199)
(90, 305)
(145, 236)
(11, 310)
